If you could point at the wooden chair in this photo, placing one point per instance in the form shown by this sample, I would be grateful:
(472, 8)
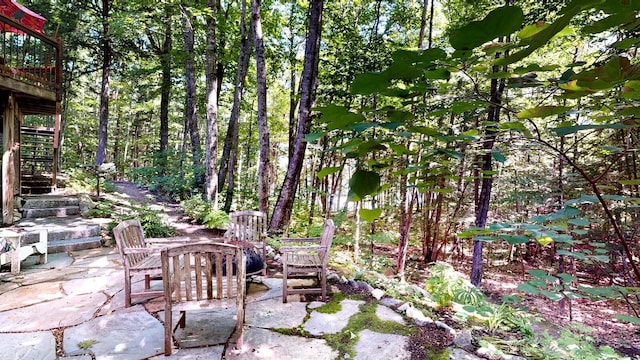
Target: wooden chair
(139, 257)
(202, 276)
(249, 226)
(311, 257)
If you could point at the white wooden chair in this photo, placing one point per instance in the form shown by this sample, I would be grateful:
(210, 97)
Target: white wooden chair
(202, 276)
(310, 256)
(249, 226)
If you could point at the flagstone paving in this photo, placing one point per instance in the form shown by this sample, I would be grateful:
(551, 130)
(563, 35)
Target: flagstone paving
(73, 308)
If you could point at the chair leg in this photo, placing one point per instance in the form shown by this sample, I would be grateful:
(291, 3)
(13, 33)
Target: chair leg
(127, 290)
(183, 319)
(323, 283)
(284, 280)
(168, 333)
(147, 282)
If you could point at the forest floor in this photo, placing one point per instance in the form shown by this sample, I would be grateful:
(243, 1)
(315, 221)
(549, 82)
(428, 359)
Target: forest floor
(593, 318)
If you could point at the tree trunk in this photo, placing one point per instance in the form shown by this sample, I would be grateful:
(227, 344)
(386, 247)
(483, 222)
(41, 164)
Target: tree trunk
(263, 126)
(309, 82)
(423, 24)
(230, 149)
(191, 111)
(482, 208)
(211, 141)
(105, 45)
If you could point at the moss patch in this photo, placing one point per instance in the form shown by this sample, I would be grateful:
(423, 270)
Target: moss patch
(87, 344)
(332, 306)
(345, 341)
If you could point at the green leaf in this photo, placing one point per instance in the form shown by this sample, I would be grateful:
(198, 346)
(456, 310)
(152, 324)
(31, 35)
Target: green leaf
(528, 288)
(498, 156)
(567, 278)
(542, 111)
(364, 182)
(579, 222)
(499, 22)
(369, 83)
(515, 239)
(540, 38)
(573, 254)
(328, 171)
(541, 274)
(545, 240)
(311, 137)
(628, 318)
(370, 214)
(614, 20)
(554, 296)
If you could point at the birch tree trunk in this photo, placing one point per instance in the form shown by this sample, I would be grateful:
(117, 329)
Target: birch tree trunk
(191, 111)
(263, 126)
(211, 141)
(308, 85)
(107, 53)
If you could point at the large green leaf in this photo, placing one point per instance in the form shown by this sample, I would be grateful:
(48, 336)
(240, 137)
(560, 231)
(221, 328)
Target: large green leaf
(364, 182)
(369, 83)
(328, 171)
(499, 22)
(609, 22)
(369, 214)
(515, 239)
(539, 39)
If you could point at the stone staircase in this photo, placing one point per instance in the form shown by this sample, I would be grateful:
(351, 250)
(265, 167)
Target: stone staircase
(60, 216)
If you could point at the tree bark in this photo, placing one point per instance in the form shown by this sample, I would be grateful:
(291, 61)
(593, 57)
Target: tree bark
(191, 111)
(229, 152)
(211, 141)
(486, 184)
(163, 51)
(263, 126)
(308, 85)
(107, 53)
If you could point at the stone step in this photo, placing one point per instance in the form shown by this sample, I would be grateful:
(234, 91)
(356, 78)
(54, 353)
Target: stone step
(73, 227)
(49, 201)
(66, 245)
(50, 212)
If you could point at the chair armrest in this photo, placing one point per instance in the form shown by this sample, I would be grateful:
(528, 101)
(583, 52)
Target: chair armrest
(289, 249)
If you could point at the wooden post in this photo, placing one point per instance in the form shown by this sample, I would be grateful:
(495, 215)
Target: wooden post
(8, 166)
(56, 146)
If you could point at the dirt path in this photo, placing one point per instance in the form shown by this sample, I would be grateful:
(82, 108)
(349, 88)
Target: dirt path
(174, 214)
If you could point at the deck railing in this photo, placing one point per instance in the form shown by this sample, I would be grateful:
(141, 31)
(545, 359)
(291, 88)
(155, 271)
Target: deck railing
(29, 56)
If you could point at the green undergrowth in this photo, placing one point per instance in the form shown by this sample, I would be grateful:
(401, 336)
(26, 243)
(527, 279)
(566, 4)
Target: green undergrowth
(334, 305)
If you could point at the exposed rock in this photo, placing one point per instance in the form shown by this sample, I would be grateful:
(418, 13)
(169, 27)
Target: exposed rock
(391, 302)
(377, 293)
(85, 203)
(464, 340)
(385, 314)
(417, 316)
(373, 345)
(446, 327)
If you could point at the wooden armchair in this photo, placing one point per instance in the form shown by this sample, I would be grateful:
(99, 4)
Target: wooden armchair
(140, 257)
(202, 276)
(249, 227)
(311, 257)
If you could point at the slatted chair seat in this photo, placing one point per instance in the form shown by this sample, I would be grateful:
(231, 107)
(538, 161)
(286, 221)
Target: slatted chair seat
(309, 258)
(199, 277)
